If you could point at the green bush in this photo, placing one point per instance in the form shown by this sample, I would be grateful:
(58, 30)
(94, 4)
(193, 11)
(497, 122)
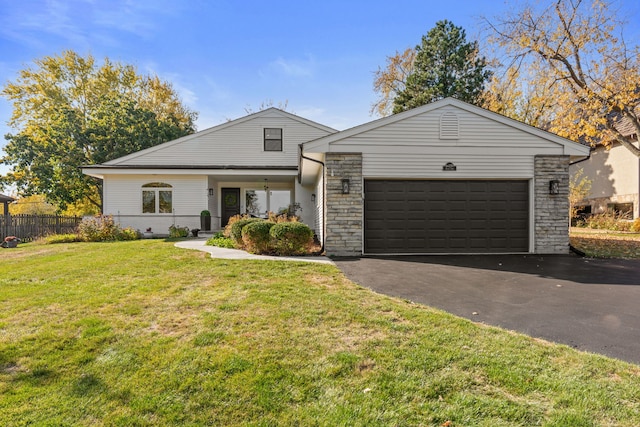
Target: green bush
(291, 238)
(221, 241)
(177, 231)
(62, 238)
(128, 234)
(104, 229)
(256, 238)
(236, 228)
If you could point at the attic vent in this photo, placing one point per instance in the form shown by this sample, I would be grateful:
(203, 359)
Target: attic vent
(449, 128)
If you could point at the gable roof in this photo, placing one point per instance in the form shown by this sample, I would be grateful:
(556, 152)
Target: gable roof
(185, 139)
(323, 144)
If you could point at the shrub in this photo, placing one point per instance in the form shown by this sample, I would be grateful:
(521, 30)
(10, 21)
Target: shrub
(62, 238)
(291, 238)
(233, 220)
(104, 229)
(221, 241)
(129, 234)
(256, 238)
(636, 225)
(177, 231)
(236, 228)
(606, 221)
(282, 217)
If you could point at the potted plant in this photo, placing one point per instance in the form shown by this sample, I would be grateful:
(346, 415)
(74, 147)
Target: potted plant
(205, 220)
(10, 242)
(148, 234)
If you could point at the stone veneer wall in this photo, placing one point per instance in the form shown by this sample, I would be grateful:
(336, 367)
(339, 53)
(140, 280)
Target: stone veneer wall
(344, 212)
(551, 211)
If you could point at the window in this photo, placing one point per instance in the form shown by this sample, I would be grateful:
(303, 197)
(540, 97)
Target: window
(624, 210)
(157, 198)
(259, 202)
(272, 139)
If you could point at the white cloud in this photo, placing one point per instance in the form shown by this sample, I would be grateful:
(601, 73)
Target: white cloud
(81, 23)
(293, 67)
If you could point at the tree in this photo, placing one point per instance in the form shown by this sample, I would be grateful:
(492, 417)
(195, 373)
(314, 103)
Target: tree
(70, 112)
(390, 81)
(445, 65)
(579, 189)
(512, 95)
(575, 52)
(282, 105)
(32, 205)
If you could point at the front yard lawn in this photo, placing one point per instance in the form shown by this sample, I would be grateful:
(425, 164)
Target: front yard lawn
(606, 244)
(143, 333)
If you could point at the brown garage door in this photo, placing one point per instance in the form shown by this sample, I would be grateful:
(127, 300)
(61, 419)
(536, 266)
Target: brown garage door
(448, 216)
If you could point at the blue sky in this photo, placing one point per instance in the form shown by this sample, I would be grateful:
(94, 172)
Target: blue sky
(225, 56)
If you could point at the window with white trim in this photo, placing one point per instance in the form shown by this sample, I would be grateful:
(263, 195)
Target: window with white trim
(273, 139)
(260, 202)
(157, 197)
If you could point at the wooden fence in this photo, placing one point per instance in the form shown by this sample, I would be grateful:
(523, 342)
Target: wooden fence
(29, 227)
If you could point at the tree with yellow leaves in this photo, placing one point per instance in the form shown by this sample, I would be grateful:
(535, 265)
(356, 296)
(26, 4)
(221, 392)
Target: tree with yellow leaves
(577, 59)
(390, 81)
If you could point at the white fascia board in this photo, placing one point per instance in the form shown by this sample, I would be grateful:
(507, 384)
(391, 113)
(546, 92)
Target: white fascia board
(102, 172)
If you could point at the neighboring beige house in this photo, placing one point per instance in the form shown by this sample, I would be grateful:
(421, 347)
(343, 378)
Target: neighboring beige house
(447, 177)
(615, 181)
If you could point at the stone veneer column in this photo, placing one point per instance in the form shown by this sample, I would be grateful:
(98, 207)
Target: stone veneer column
(344, 212)
(551, 210)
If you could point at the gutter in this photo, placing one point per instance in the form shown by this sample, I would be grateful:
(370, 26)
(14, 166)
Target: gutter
(324, 226)
(586, 158)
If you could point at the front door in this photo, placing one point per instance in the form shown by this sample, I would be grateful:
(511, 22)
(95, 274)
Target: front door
(230, 204)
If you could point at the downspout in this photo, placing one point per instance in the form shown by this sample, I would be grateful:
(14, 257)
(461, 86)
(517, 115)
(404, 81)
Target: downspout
(324, 226)
(571, 247)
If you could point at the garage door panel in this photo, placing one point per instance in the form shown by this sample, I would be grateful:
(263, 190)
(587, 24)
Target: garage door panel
(448, 216)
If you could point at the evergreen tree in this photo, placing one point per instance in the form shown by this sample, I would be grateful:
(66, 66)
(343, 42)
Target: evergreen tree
(445, 65)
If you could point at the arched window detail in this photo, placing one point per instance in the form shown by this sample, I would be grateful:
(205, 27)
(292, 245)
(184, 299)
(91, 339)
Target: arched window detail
(157, 197)
(157, 185)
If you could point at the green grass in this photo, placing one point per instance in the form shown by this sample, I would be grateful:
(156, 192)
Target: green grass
(606, 244)
(143, 333)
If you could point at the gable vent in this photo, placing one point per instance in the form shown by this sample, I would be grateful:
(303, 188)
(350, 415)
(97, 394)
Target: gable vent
(449, 128)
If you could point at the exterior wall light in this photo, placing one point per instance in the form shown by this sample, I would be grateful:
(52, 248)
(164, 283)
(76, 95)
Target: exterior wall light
(554, 187)
(345, 185)
(313, 198)
(211, 192)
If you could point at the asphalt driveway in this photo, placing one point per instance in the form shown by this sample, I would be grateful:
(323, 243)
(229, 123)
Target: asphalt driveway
(588, 304)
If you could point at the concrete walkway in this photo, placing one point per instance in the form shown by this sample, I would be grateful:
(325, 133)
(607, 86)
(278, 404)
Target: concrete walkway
(224, 253)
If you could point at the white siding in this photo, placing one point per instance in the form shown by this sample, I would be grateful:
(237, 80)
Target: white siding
(474, 130)
(238, 144)
(320, 208)
(412, 148)
(123, 200)
(421, 165)
(303, 196)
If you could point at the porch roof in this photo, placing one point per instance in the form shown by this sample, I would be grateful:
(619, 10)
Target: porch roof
(99, 171)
